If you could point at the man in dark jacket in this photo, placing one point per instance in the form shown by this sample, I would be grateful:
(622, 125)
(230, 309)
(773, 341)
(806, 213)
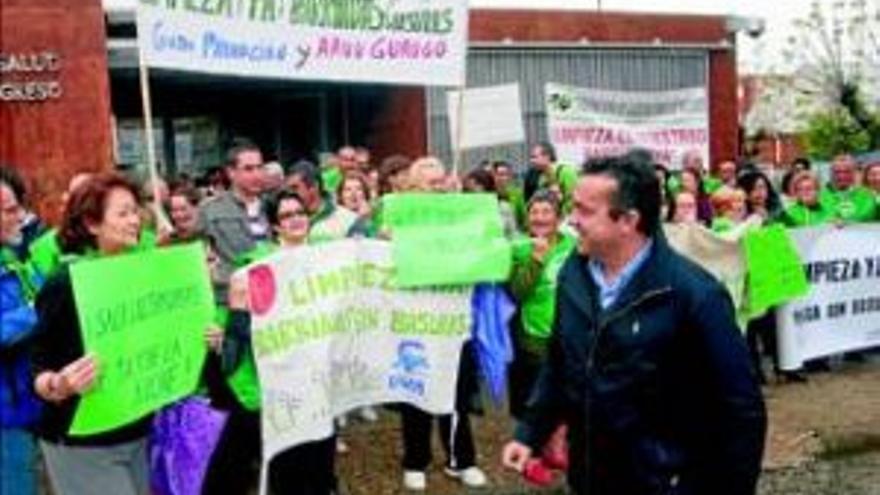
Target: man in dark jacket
(646, 364)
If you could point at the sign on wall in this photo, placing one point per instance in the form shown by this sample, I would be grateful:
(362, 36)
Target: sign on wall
(585, 123)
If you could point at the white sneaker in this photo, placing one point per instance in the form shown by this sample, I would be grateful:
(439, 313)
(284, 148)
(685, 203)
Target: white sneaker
(473, 476)
(369, 414)
(415, 480)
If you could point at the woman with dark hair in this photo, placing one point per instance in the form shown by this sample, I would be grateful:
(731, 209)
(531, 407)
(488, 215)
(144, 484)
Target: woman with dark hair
(692, 182)
(183, 207)
(761, 198)
(681, 208)
(536, 263)
(102, 219)
(19, 407)
(309, 468)
(353, 193)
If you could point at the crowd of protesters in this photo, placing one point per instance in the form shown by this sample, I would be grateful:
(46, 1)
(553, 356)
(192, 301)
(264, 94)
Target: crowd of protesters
(249, 208)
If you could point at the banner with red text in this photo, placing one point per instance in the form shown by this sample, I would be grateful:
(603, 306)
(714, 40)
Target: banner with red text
(585, 123)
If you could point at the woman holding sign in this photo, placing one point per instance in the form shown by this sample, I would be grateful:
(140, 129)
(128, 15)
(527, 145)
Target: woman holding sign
(536, 263)
(102, 219)
(307, 469)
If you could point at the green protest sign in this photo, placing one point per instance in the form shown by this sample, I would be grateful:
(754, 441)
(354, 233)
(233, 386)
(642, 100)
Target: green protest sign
(143, 317)
(775, 269)
(446, 239)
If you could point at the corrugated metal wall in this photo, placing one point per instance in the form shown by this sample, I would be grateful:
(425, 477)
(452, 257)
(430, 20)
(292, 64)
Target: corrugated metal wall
(606, 68)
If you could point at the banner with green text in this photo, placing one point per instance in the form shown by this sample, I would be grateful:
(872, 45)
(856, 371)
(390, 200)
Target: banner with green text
(330, 333)
(420, 42)
(143, 317)
(446, 239)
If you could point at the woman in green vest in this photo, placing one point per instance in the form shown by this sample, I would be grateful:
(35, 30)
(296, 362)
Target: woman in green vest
(536, 263)
(307, 468)
(807, 210)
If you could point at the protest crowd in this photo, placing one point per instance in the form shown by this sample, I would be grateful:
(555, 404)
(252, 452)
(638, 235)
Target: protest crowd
(617, 412)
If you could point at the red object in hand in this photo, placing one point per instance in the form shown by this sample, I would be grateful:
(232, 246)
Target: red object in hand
(537, 473)
(556, 459)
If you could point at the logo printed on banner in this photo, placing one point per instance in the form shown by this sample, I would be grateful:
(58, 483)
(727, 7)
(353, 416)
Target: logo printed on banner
(261, 289)
(412, 365)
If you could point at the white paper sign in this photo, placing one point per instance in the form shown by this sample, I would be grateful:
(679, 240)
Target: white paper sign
(585, 123)
(492, 116)
(330, 334)
(842, 311)
(391, 41)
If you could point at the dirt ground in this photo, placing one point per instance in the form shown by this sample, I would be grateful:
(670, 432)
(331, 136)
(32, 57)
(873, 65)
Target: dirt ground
(824, 438)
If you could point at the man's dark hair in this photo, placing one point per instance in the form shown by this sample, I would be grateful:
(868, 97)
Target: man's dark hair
(239, 146)
(308, 172)
(637, 188)
(13, 180)
(547, 149)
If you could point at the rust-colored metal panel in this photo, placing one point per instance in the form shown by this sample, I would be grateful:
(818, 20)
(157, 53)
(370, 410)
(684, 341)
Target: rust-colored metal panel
(401, 127)
(616, 27)
(723, 107)
(55, 98)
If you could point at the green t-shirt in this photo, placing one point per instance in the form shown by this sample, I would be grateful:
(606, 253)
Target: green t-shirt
(538, 304)
(854, 205)
(712, 184)
(517, 199)
(799, 215)
(46, 255)
(722, 224)
(331, 177)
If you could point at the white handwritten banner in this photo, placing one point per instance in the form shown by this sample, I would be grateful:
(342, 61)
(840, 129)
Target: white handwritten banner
(330, 333)
(586, 123)
(419, 42)
(842, 310)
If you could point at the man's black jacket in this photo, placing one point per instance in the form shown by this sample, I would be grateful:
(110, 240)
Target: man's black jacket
(657, 390)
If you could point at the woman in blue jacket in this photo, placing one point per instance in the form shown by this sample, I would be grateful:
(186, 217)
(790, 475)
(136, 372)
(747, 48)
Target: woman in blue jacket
(19, 408)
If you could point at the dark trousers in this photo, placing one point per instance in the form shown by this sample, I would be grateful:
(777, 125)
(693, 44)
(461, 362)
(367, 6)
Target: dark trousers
(455, 433)
(234, 464)
(307, 469)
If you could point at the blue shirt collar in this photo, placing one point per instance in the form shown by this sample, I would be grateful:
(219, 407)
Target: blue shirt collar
(610, 292)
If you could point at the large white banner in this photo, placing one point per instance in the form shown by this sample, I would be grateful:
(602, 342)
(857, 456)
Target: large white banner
(419, 42)
(586, 123)
(330, 333)
(492, 116)
(842, 311)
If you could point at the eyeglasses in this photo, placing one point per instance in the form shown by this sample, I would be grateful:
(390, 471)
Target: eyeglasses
(287, 215)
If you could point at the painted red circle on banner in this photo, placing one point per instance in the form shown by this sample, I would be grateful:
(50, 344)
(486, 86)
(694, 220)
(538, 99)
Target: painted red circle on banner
(261, 289)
